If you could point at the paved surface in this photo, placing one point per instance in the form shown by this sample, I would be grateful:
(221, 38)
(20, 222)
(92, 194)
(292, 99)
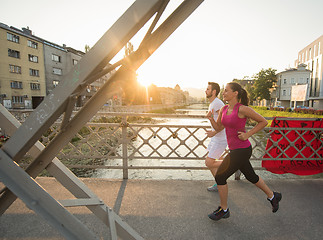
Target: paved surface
(175, 209)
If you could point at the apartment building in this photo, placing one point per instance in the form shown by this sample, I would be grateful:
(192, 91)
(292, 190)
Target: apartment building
(31, 67)
(286, 82)
(59, 60)
(22, 69)
(312, 56)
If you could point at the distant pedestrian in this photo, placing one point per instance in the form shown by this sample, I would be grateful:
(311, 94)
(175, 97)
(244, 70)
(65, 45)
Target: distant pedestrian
(233, 118)
(218, 142)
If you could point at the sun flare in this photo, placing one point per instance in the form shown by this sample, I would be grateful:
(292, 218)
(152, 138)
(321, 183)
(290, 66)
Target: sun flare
(143, 81)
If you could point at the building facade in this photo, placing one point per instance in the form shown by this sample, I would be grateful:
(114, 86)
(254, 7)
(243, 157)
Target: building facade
(312, 56)
(59, 60)
(22, 68)
(171, 96)
(31, 67)
(284, 86)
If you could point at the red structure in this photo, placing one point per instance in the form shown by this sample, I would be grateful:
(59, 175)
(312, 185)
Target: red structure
(298, 140)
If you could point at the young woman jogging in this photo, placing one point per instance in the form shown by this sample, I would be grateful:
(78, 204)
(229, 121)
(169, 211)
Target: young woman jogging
(233, 118)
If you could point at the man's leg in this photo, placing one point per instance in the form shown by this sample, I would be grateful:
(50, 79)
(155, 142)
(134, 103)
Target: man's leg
(213, 165)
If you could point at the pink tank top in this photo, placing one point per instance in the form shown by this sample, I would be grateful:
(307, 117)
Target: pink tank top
(233, 124)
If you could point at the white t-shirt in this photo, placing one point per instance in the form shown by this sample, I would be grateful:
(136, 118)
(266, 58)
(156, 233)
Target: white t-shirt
(216, 105)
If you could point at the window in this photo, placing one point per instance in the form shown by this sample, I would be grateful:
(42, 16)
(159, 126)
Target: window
(34, 86)
(307, 80)
(312, 66)
(285, 81)
(14, 69)
(33, 72)
(319, 49)
(75, 61)
(32, 58)
(13, 53)
(284, 92)
(57, 71)
(16, 84)
(12, 37)
(32, 44)
(292, 80)
(310, 53)
(18, 99)
(56, 58)
(55, 83)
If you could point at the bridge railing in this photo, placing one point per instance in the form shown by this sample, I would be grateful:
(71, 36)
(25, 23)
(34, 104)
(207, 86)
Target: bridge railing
(128, 145)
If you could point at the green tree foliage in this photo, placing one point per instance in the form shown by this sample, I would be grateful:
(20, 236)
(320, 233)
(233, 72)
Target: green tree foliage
(87, 48)
(264, 81)
(247, 83)
(129, 84)
(251, 94)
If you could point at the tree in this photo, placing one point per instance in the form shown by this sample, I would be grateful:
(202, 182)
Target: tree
(221, 93)
(128, 49)
(247, 83)
(87, 48)
(264, 81)
(251, 93)
(134, 93)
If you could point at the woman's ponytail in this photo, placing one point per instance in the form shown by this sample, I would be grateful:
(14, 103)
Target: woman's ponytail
(244, 97)
(242, 93)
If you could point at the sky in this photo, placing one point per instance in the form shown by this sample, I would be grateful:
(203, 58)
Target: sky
(220, 41)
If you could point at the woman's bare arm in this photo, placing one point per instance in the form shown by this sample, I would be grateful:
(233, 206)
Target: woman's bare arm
(248, 112)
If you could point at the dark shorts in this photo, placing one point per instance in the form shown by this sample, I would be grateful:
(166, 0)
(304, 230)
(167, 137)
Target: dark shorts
(237, 159)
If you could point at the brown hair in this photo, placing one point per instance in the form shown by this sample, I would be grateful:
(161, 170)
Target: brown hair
(216, 87)
(242, 93)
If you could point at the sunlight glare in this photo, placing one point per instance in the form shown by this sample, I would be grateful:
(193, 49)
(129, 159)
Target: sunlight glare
(145, 82)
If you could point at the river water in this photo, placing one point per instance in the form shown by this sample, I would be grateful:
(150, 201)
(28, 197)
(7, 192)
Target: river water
(161, 174)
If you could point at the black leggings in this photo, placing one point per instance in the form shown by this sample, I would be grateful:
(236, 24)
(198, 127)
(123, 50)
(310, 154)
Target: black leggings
(237, 159)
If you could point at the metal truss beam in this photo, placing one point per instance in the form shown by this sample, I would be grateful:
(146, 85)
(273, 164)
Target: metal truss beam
(96, 59)
(90, 67)
(72, 183)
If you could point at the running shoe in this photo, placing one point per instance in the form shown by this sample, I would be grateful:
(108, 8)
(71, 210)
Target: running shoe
(275, 201)
(219, 213)
(213, 188)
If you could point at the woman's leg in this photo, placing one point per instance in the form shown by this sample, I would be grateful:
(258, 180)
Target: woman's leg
(228, 167)
(263, 186)
(252, 177)
(273, 197)
(223, 193)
